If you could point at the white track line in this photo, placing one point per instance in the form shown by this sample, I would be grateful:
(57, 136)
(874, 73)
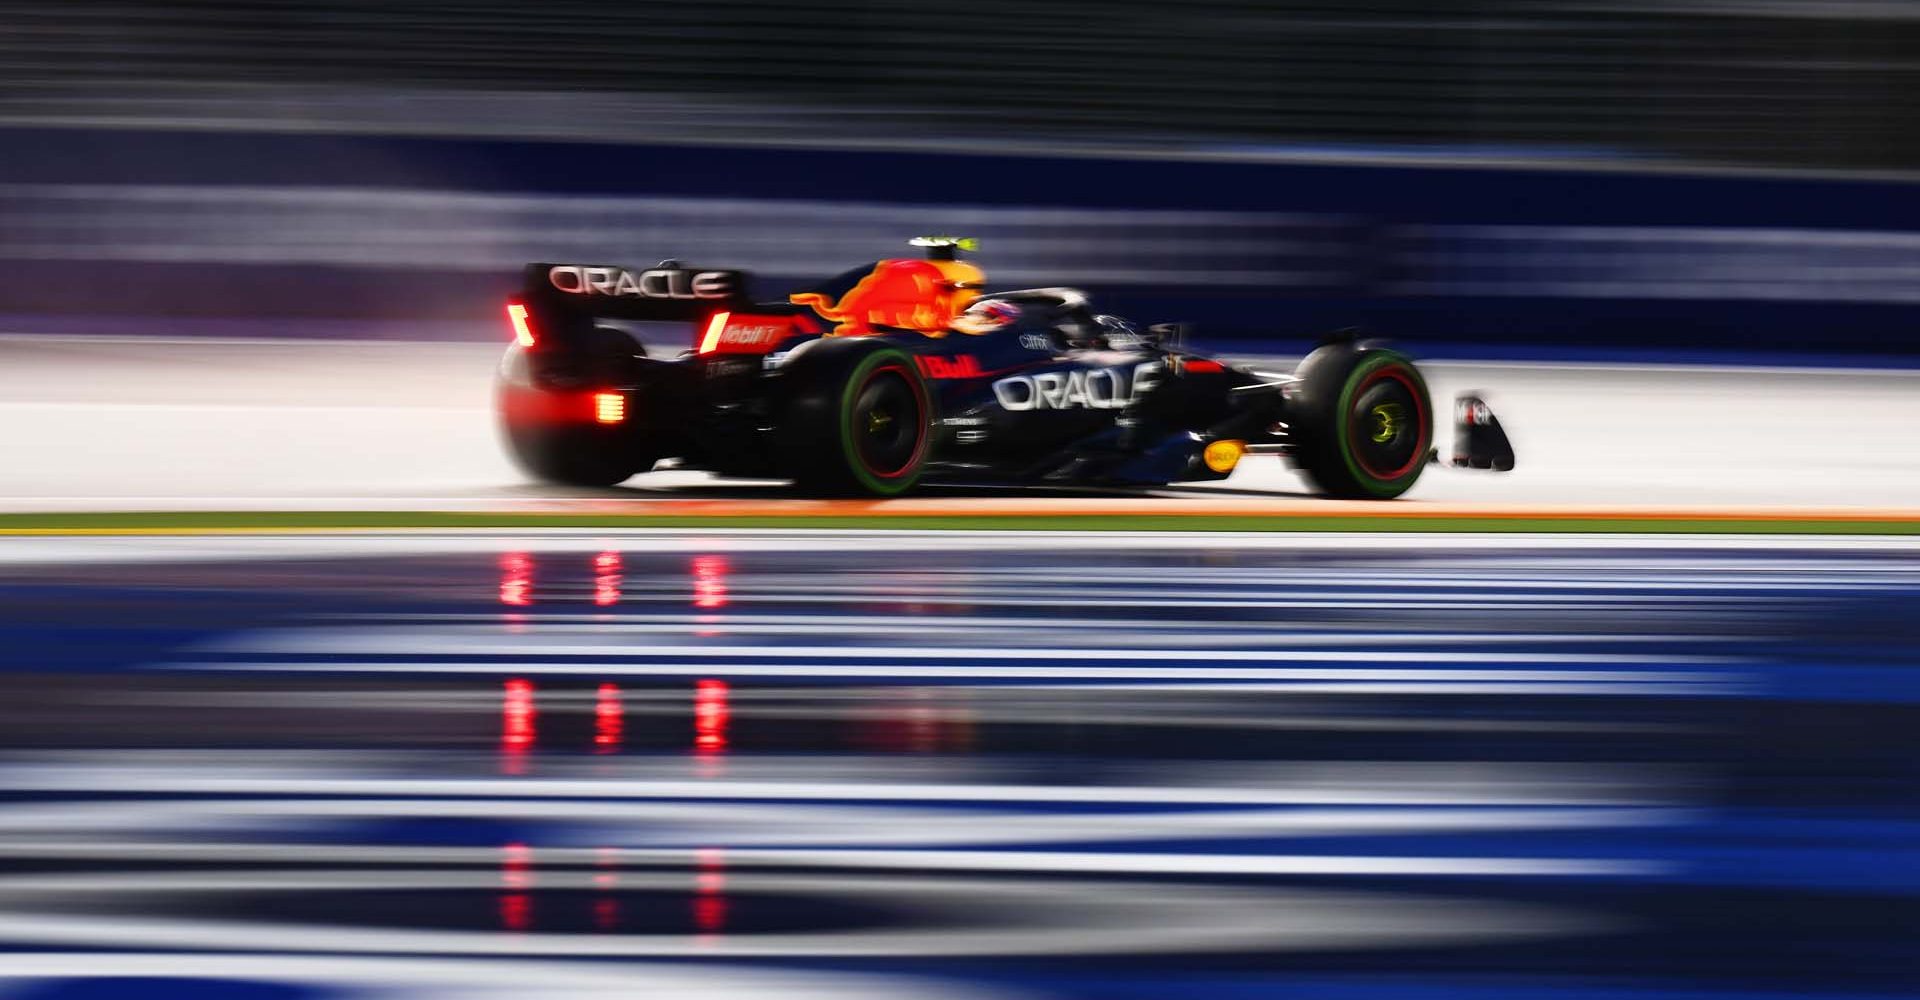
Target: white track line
(353, 545)
(1445, 789)
(410, 642)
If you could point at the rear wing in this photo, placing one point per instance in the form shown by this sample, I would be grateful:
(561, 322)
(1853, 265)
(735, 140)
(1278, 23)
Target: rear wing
(556, 301)
(668, 292)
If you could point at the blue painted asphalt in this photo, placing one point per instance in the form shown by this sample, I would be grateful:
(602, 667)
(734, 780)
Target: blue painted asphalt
(1665, 772)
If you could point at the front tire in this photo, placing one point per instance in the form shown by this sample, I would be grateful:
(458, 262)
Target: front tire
(1362, 422)
(858, 420)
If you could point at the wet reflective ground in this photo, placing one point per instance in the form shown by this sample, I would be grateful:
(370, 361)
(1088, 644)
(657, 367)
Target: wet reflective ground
(754, 766)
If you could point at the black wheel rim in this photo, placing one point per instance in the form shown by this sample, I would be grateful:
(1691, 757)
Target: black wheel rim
(1386, 424)
(888, 422)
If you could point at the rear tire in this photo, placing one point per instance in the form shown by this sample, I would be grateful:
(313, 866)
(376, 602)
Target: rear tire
(1361, 421)
(858, 419)
(567, 456)
(550, 434)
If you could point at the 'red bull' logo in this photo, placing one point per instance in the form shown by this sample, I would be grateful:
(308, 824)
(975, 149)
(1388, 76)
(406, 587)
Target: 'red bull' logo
(923, 295)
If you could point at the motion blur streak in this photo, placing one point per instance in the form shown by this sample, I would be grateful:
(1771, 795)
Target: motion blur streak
(153, 974)
(516, 579)
(405, 426)
(709, 581)
(1567, 770)
(252, 262)
(710, 716)
(606, 579)
(517, 724)
(710, 900)
(516, 906)
(609, 719)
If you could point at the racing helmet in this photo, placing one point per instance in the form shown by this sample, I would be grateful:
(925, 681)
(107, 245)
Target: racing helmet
(986, 316)
(994, 312)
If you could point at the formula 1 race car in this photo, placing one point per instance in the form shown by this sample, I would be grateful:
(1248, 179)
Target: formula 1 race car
(906, 370)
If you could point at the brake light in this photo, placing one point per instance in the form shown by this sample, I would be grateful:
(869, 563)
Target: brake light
(609, 407)
(715, 327)
(522, 333)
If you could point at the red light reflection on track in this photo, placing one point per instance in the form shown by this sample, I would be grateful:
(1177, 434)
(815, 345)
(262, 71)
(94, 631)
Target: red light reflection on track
(915, 720)
(516, 875)
(710, 581)
(516, 911)
(609, 719)
(606, 579)
(606, 876)
(517, 723)
(606, 864)
(709, 894)
(710, 716)
(606, 914)
(516, 579)
(516, 866)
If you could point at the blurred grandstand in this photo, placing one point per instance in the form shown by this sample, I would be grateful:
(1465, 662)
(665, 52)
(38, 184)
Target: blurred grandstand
(1705, 172)
(1805, 83)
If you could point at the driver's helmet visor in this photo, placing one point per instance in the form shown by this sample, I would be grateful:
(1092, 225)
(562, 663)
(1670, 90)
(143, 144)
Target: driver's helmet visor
(993, 313)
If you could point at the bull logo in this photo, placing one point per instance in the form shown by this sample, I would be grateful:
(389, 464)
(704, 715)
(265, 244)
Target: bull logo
(922, 295)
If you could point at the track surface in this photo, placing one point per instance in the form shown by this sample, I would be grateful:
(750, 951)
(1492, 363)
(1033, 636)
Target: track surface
(751, 764)
(103, 424)
(596, 763)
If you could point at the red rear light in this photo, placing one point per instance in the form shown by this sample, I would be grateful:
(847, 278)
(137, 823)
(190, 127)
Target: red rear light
(609, 407)
(522, 333)
(715, 327)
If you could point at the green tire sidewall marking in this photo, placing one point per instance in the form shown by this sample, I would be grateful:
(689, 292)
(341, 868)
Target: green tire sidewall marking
(844, 422)
(1371, 362)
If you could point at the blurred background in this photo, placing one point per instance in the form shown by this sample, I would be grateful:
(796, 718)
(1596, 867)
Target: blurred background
(1527, 176)
(252, 257)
